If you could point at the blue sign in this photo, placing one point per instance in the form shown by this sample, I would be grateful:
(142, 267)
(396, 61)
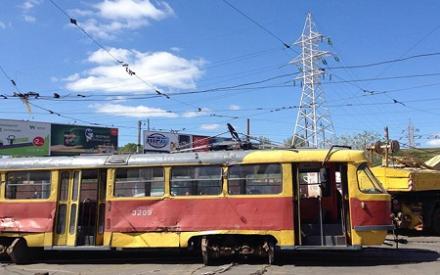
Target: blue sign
(157, 140)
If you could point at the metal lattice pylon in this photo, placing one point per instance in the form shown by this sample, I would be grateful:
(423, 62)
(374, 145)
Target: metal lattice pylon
(313, 127)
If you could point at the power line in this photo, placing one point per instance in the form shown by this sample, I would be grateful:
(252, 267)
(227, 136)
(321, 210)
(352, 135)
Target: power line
(258, 24)
(385, 61)
(218, 89)
(118, 62)
(242, 86)
(412, 47)
(125, 65)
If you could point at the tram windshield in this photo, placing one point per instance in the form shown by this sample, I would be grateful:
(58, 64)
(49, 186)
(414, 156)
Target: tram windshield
(368, 183)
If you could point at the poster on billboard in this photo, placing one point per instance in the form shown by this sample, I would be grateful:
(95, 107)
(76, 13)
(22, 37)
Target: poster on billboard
(76, 140)
(24, 138)
(160, 141)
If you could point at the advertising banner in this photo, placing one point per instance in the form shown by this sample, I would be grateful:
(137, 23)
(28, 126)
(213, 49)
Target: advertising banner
(201, 143)
(24, 138)
(160, 141)
(76, 139)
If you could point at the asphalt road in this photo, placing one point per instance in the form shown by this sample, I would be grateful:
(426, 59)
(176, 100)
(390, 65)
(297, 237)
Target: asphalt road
(420, 255)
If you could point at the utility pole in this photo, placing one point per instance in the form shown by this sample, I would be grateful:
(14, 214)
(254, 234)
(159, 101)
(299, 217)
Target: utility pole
(313, 127)
(138, 147)
(248, 130)
(387, 142)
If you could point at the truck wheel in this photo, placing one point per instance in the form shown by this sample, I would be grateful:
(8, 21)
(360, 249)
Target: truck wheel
(436, 220)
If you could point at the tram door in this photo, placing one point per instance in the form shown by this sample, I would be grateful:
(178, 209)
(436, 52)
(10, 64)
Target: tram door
(321, 203)
(81, 208)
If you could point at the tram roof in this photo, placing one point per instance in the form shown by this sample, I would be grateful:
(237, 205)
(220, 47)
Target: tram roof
(217, 157)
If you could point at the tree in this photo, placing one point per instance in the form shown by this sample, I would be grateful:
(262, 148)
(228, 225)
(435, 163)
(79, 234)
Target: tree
(128, 148)
(356, 141)
(265, 143)
(297, 144)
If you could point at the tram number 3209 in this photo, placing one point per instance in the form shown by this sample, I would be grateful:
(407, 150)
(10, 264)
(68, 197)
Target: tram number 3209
(141, 212)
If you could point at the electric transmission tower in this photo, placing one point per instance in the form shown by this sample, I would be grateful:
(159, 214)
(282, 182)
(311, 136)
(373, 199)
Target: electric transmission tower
(411, 141)
(313, 127)
(410, 134)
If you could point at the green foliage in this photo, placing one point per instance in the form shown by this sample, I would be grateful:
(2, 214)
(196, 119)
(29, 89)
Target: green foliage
(128, 148)
(358, 141)
(299, 143)
(422, 154)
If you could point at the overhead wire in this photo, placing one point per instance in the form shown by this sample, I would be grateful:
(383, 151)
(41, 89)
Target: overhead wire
(242, 86)
(379, 63)
(124, 64)
(286, 45)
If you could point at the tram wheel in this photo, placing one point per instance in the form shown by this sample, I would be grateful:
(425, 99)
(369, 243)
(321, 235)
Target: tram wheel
(436, 221)
(3, 255)
(19, 252)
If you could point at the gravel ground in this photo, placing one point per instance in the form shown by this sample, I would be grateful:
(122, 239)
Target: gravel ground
(419, 254)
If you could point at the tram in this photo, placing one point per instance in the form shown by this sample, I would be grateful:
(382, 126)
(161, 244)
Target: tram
(223, 203)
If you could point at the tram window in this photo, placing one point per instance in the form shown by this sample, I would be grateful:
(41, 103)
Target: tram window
(201, 180)
(64, 185)
(28, 185)
(61, 219)
(75, 185)
(139, 182)
(72, 219)
(367, 181)
(255, 179)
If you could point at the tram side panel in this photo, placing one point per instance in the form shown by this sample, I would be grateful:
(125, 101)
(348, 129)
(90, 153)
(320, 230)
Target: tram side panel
(28, 206)
(172, 220)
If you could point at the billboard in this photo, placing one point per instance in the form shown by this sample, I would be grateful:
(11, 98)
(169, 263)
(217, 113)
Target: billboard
(24, 138)
(169, 142)
(160, 141)
(76, 139)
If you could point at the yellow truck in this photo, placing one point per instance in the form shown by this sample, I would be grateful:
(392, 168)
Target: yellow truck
(415, 190)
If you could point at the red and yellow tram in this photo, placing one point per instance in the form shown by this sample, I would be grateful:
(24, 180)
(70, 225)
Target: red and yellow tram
(221, 203)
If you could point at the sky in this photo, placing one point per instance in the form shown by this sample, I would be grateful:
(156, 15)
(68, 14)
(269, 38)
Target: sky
(106, 71)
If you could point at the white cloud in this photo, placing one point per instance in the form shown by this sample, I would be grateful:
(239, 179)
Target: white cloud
(109, 17)
(234, 107)
(175, 49)
(191, 114)
(133, 9)
(213, 126)
(2, 25)
(103, 57)
(54, 79)
(163, 70)
(29, 18)
(29, 4)
(78, 12)
(117, 98)
(139, 111)
(434, 142)
(72, 77)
